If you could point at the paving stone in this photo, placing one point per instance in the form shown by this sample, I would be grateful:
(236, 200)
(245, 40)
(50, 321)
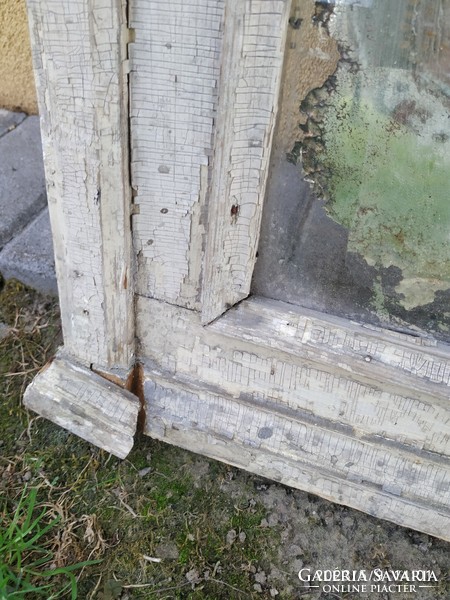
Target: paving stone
(22, 181)
(29, 256)
(9, 120)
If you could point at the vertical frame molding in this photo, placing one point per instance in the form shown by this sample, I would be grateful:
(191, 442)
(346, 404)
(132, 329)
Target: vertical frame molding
(252, 63)
(80, 61)
(175, 67)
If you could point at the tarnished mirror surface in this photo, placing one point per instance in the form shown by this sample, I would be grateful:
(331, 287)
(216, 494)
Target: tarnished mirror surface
(357, 215)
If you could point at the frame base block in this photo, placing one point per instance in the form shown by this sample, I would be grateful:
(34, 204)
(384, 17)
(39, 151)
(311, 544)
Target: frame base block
(85, 404)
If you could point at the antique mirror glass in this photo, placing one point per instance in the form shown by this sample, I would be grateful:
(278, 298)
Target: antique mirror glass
(357, 214)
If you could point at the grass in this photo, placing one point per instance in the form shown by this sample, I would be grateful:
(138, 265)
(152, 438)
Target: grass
(27, 561)
(164, 523)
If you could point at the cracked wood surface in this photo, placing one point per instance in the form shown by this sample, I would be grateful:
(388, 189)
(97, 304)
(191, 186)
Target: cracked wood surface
(252, 62)
(175, 67)
(354, 414)
(292, 360)
(79, 55)
(86, 404)
(381, 354)
(385, 481)
(199, 202)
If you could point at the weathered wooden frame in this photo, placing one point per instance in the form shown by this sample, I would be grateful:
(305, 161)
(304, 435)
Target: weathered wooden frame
(354, 413)
(80, 59)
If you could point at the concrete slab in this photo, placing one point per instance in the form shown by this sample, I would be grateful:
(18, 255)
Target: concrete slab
(9, 120)
(22, 181)
(29, 256)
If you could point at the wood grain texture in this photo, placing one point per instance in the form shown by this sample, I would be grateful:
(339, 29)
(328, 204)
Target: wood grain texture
(79, 54)
(175, 67)
(411, 489)
(252, 62)
(249, 359)
(386, 355)
(86, 404)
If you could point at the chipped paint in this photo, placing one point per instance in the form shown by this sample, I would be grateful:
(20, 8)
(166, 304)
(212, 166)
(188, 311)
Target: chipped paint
(311, 57)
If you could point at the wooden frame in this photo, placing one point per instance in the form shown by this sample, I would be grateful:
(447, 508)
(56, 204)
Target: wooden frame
(80, 62)
(351, 412)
